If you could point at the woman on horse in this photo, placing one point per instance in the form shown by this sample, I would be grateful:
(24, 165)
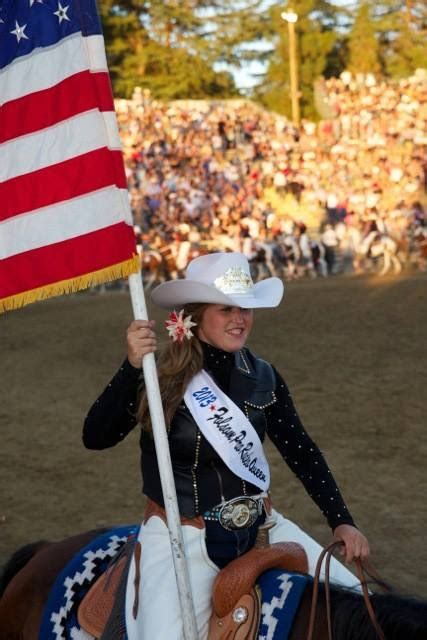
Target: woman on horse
(220, 400)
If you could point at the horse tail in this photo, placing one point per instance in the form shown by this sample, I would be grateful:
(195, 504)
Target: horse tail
(17, 562)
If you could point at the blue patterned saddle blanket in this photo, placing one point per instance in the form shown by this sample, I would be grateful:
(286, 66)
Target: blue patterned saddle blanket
(281, 591)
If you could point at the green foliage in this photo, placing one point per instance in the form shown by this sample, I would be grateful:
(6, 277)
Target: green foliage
(315, 39)
(172, 74)
(401, 27)
(125, 38)
(407, 53)
(363, 46)
(165, 46)
(175, 47)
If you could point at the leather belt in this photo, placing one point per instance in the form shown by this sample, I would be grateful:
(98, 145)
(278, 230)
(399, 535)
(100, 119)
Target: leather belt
(238, 513)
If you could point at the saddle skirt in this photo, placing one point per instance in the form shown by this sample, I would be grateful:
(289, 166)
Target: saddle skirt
(59, 621)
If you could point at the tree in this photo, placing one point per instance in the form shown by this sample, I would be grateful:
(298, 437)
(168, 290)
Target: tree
(125, 38)
(316, 36)
(166, 46)
(401, 26)
(406, 53)
(173, 73)
(363, 46)
(175, 48)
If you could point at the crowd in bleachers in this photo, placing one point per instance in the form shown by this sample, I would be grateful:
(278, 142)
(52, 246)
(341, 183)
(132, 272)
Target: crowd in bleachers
(322, 198)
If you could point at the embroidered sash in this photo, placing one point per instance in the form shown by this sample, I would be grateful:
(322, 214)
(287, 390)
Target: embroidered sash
(228, 430)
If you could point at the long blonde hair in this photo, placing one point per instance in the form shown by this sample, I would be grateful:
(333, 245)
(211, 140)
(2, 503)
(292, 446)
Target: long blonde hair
(177, 363)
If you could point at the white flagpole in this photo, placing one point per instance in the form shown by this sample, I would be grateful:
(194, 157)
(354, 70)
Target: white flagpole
(165, 468)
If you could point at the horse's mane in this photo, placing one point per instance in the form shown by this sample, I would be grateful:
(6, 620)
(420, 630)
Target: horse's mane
(399, 616)
(17, 562)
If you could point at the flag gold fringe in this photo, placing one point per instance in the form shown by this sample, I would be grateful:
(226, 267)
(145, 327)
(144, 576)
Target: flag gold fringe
(114, 272)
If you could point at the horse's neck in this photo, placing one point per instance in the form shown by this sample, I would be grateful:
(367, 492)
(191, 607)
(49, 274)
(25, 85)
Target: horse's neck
(301, 622)
(345, 606)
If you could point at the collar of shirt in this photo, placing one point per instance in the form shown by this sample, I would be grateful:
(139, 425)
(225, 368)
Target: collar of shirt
(219, 363)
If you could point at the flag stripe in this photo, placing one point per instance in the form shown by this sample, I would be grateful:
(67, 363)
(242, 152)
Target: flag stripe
(85, 132)
(45, 68)
(63, 220)
(62, 181)
(47, 107)
(66, 260)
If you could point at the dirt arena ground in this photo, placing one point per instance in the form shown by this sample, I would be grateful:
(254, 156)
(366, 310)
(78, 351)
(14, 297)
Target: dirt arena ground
(353, 351)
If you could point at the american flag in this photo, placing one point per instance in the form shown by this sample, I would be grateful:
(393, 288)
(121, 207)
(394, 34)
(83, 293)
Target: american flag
(65, 220)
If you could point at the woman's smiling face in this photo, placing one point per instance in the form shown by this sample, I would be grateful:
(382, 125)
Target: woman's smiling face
(226, 328)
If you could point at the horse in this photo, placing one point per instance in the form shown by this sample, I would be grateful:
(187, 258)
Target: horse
(152, 268)
(380, 248)
(167, 260)
(418, 247)
(28, 576)
(277, 258)
(267, 261)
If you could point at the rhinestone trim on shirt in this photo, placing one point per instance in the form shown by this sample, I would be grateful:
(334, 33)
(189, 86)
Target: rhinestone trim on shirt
(193, 471)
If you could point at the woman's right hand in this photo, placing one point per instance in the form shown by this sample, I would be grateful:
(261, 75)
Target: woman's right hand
(141, 340)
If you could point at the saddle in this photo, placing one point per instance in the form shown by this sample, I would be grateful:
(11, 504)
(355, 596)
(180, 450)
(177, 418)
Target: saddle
(236, 598)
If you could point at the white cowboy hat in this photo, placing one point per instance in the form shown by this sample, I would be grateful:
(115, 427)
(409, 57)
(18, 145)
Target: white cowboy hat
(219, 278)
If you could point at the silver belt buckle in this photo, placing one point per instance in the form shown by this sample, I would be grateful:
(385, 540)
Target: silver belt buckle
(239, 513)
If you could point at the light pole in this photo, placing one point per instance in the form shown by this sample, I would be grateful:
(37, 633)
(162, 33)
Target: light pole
(291, 18)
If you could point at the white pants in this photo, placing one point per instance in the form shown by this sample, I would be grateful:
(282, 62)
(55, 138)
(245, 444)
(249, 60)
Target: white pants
(159, 615)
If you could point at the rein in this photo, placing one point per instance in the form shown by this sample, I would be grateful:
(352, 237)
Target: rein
(362, 572)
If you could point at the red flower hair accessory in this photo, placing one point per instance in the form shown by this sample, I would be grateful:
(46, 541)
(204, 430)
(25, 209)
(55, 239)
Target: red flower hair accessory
(179, 327)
